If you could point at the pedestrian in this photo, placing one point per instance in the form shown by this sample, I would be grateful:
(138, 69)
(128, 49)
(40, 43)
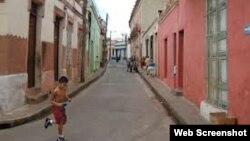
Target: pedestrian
(143, 62)
(147, 61)
(129, 65)
(151, 68)
(135, 68)
(59, 100)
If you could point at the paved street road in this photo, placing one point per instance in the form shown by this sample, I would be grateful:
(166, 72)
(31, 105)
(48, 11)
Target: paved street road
(118, 107)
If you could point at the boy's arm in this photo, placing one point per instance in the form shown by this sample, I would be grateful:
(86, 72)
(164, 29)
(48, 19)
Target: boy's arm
(56, 103)
(68, 98)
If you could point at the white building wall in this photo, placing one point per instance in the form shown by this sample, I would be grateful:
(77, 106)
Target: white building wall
(12, 92)
(14, 20)
(47, 32)
(149, 11)
(149, 24)
(147, 35)
(12, 87)
(74, 32)
(18, 19)
(78, 7)
(128, 51)
(4, 19)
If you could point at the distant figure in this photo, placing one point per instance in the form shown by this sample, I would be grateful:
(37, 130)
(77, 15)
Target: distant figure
(143, 62)
(151, 68)
(129, 65)
(135, 67)
(118, 58)
(59, 100)
(147, 62)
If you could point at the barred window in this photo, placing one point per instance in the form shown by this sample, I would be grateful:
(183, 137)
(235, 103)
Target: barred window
(217, 52)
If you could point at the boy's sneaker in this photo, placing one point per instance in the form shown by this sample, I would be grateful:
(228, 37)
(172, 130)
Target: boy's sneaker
(47, 123)
(60, 139)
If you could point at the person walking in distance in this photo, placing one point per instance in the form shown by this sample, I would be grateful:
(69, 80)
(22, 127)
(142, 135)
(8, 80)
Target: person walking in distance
(59, 100)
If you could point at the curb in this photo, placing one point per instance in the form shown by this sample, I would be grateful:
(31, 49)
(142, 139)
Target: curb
(26, 119)
(162, 100)
(171, 110)
(45, 111)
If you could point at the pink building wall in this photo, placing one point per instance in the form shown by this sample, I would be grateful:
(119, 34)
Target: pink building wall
(194, 77)
(166, 30)
(189, 16)
(238, 60)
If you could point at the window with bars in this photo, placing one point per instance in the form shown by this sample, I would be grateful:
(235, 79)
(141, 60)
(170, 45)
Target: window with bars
(68, 49)
(217, 52)
(147, 44)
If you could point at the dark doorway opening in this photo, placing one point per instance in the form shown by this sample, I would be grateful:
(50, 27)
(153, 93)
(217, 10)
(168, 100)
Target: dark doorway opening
(56, 48)
(180, 59)
(32, 46)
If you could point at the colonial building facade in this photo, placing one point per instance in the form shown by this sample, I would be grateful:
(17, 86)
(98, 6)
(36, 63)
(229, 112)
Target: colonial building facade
(205, 57)
(120, 49)
(150, 12)
(94, 38)
(144, 28)
(136, 32)
(41, 40)
(111, 46)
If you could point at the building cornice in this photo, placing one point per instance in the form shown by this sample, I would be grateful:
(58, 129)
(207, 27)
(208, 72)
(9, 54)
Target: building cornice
(151, 25)
(72, 7)
(134, 10)
(169, 8)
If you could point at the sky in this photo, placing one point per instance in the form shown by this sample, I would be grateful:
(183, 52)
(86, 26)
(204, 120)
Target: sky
(119, 14)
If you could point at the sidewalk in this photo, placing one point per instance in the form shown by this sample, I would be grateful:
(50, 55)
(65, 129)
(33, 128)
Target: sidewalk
(29, 113)
(180, 108)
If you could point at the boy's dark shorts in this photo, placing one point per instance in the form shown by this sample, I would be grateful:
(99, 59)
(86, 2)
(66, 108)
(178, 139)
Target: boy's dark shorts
(60, 115)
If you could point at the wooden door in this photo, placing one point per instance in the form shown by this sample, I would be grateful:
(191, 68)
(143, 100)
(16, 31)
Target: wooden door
(180, 59)
(56, 47)
(32, 47)
(152, 47)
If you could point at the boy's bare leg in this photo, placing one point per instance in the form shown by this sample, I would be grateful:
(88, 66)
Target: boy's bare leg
(60, 129)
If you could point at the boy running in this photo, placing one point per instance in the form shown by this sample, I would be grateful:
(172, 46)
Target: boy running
(59, 100)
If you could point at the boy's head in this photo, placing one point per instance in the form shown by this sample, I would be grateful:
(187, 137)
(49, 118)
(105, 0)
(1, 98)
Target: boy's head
(63, 80)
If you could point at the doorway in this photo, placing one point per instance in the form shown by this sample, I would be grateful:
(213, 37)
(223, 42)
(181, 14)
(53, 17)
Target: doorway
(166, 58)
(32, 46)
(56, 48)
(180, 59)
(152, 47)
(174, 60)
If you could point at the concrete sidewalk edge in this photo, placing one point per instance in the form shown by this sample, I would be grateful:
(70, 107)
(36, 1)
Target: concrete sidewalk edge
(167, 105)
(45, 111)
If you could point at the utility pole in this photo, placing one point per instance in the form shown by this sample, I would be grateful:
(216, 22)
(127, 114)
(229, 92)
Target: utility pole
(83, 51)
(111, 51)
(106, 30)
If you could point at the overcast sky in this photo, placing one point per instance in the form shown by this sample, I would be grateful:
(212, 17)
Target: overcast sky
(119, 13)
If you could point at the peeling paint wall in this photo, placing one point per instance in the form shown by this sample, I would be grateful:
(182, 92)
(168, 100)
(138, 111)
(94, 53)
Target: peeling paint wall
(12, 92)
(14, 42)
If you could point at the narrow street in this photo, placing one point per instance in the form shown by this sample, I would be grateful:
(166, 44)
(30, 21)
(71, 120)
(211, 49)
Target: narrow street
(118, 107)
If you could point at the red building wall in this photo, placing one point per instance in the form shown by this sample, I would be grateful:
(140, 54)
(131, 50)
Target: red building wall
(166, 30)
(187, 17)
(194, 81)
(238, 60)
